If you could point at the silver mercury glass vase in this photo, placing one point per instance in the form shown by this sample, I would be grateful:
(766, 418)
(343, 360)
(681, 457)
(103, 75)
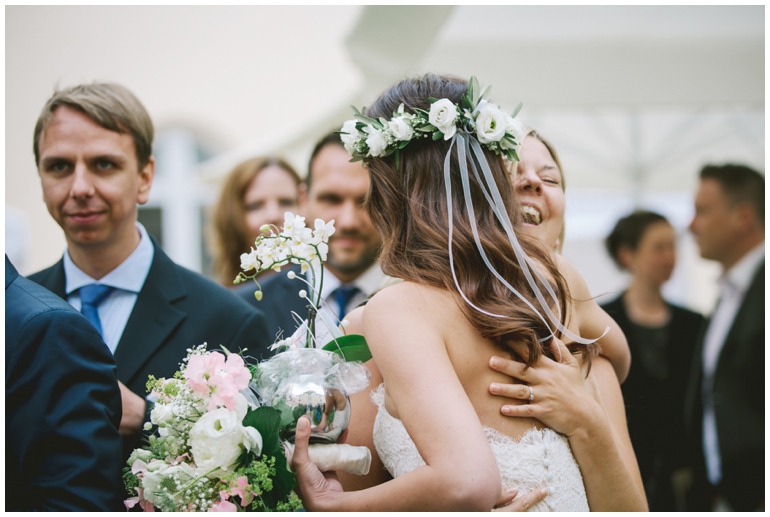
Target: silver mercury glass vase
(327, 408)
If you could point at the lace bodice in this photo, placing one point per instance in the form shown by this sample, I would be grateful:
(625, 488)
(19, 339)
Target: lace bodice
(539, 458)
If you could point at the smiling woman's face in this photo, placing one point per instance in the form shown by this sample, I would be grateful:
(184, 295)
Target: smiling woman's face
(538, 184)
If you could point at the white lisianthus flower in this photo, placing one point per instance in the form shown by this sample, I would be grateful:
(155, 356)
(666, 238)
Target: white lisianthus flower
(252, 440)
(376, 141)
(156, 472)
(161, 414)
(401, 129)
(216, 439)
(516, 129)
(490, 124)
(443, 114)
(241, 404)
(349, 140)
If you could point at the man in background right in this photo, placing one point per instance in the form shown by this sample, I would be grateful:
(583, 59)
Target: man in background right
(725, 408)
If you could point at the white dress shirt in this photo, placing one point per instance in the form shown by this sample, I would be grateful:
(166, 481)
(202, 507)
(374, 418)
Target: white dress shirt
(367, 283)
(733, 285)
(127, 279)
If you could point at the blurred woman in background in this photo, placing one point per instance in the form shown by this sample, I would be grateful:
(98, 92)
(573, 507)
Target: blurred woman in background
(256, 192)
(661, 337)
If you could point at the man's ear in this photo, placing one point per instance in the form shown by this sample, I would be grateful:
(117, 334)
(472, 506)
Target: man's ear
(146, 177)
(745, 216)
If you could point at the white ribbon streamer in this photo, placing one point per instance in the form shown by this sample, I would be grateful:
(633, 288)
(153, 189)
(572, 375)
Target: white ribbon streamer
(498, 207)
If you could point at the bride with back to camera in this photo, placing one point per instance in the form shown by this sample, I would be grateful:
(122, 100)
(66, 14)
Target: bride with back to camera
(473, 290)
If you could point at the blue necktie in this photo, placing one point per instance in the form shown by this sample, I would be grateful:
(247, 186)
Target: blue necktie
(91, 296)
(342, 295)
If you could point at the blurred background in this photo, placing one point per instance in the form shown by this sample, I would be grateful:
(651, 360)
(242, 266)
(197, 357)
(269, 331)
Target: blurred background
(634, 99)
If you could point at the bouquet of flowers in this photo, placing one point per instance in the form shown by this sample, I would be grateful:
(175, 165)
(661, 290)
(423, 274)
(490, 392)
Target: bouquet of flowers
(216, 448)
(224, 427)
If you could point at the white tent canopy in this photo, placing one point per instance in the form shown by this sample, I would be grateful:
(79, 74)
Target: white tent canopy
(635, 98)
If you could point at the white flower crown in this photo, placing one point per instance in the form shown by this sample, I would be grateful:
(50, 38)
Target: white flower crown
(365, 137)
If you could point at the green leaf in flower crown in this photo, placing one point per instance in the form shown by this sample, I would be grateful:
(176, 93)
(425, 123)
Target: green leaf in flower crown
(485, 93)
(366, 120)
(516, 111)
(438, 135)
(432, 100)
(465, 102)
(474, 90)
(352, 347)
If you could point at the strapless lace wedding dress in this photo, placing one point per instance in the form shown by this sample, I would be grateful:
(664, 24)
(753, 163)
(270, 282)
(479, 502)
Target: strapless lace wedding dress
(540, 458)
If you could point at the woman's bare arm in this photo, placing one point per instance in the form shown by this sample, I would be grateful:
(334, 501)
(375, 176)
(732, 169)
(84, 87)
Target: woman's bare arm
(430, 400)
(593, 320)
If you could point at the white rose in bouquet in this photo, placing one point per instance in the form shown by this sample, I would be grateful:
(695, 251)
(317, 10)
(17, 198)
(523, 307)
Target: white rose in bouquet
(490, 124)
(140, 455)
(376, 141)
(161, 414)
(443, 114)
(217, 439)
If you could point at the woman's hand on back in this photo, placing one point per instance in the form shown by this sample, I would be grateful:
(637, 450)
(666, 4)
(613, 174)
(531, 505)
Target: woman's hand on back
(555, 390)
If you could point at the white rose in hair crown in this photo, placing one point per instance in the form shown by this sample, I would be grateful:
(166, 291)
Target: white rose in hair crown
(224, 425)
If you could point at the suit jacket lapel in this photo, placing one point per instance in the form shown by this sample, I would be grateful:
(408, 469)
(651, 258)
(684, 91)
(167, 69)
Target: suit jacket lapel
(749, 316)
(154, 316)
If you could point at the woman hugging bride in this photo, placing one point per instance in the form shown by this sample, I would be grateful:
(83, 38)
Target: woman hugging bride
(474, 288)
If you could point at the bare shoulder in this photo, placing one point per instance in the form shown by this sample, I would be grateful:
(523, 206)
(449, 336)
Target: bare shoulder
(405, 297)
(410, 304)
(355, 321)
(577, 284)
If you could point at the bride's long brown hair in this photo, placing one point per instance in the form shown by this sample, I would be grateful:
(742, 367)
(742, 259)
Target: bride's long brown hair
(408, 206)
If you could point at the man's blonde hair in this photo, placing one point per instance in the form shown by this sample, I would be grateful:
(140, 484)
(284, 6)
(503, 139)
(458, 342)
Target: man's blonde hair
(109, 105)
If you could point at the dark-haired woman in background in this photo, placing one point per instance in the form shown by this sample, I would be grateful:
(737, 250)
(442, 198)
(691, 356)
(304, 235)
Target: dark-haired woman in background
(256, 192)
(661, 337)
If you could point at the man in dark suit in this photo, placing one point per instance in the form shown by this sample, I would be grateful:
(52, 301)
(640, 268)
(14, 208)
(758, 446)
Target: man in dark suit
(335, 189)
(726, 394)
(93, 146)
(62, 406)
